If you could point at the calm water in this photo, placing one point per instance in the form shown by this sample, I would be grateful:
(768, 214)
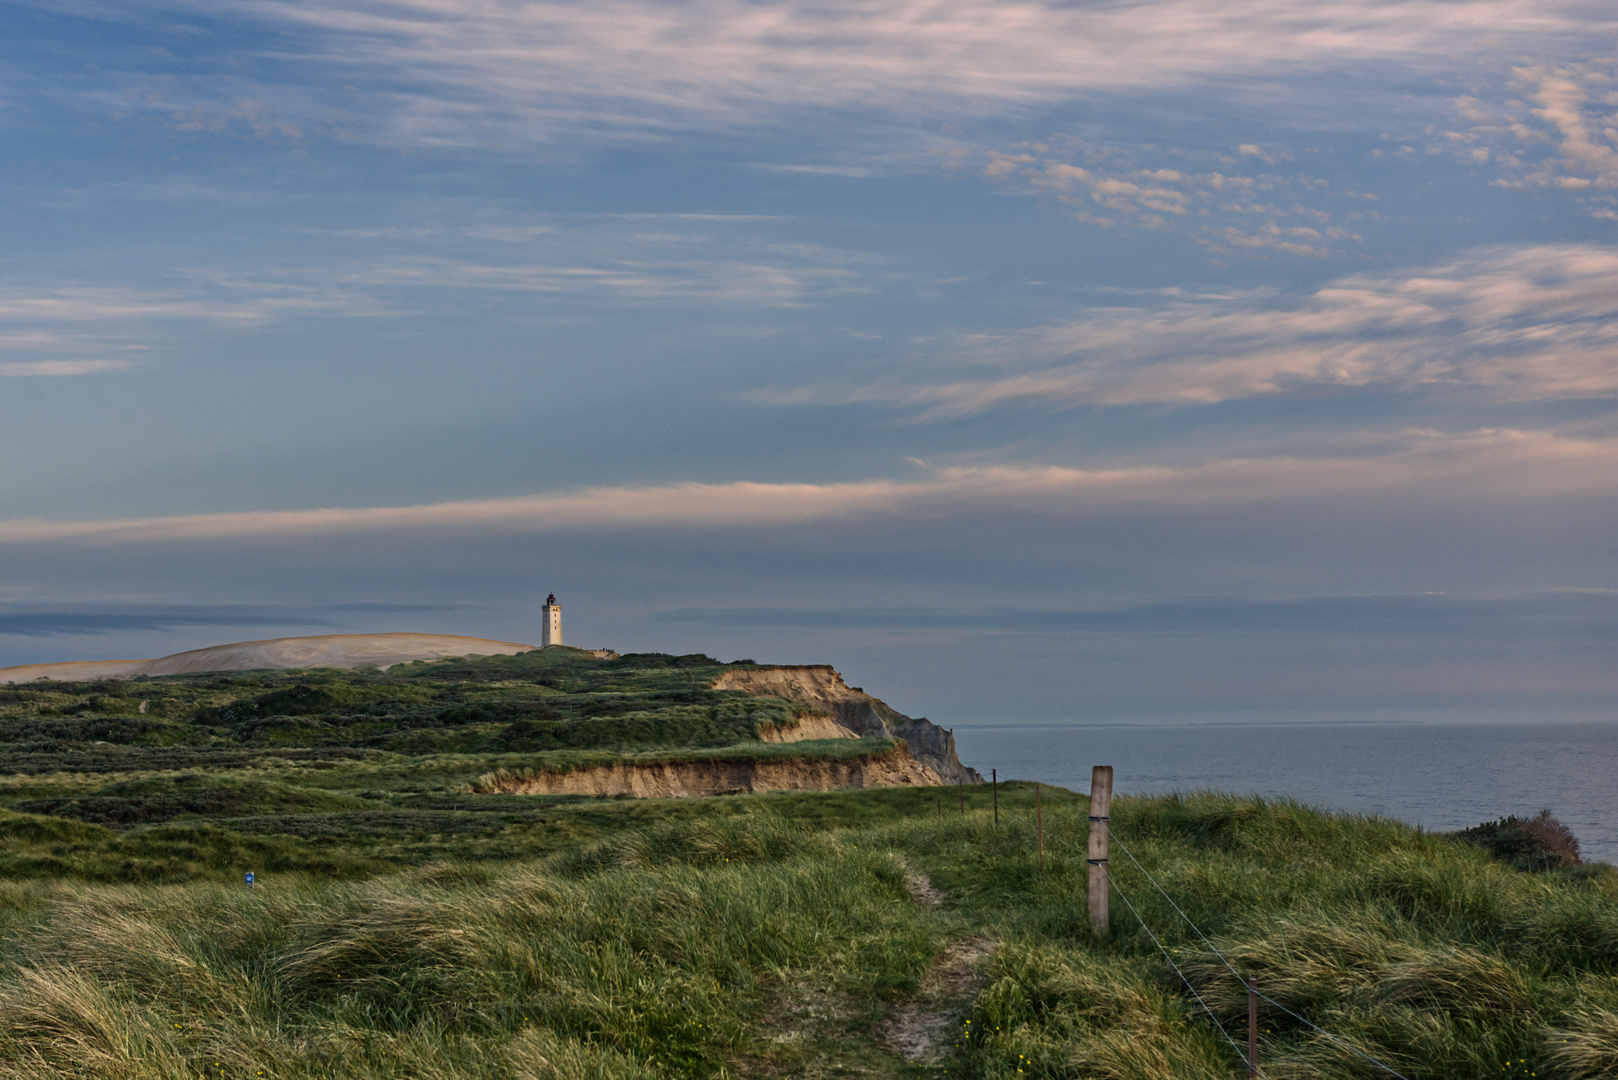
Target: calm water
(1440, 775)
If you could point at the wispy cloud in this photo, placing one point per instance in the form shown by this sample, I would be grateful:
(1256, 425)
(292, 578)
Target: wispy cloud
(49, 368)
(1487, 464)
(669, 266)
(1222, 205)
(1513, 323)
(83, 327)
(70, 327)
(1560, 134)
(454, 71)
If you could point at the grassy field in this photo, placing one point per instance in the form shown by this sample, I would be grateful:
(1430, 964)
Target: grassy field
(402, 927)
(204, 777)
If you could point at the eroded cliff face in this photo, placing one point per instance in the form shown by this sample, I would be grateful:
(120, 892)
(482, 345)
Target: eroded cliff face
(804, 728)
(688, 779)
(822, 692)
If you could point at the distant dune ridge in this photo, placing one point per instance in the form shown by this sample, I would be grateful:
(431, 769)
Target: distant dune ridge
(324, 650)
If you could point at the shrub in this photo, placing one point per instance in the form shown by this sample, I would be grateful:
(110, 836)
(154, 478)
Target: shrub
(1533, 844)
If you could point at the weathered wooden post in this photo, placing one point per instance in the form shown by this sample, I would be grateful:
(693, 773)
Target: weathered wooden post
(994, 783)
(1100, 818)
(1039, 830)
(1252, 1028)
(960, 786)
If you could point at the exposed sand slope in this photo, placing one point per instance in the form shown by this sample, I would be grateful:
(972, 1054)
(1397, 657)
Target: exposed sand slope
(688, 779)
(817, 689)
(325, 650)
(331, 650)
(813, 684)
(805, 728)
(69, 670)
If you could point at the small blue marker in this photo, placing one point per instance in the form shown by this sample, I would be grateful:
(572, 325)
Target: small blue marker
(249, 879)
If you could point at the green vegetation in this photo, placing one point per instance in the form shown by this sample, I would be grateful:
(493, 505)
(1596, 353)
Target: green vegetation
(1537, 843)
(348, 767)
(404, 926)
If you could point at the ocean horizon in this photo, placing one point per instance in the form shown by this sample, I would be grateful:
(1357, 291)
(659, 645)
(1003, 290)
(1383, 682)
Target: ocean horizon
(1440, 774)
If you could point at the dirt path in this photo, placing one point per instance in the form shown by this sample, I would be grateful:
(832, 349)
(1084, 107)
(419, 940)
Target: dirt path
(925, 1029)
(809, 1032)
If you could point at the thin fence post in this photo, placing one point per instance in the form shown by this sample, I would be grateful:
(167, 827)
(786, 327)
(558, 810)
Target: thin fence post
(1252, 1027)
(1100, 819)
(960, 786)
(1039, 830)
(994, 784)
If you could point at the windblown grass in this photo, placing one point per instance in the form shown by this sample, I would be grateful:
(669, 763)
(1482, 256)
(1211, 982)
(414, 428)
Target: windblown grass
(1418, 950)
(638, 960)
(653, 948)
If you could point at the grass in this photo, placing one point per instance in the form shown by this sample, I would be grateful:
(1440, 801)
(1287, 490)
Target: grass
(664, 946)
(405, 926)
(364, 765)
(555, 699)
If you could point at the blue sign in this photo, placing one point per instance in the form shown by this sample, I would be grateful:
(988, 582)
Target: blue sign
(249, 879)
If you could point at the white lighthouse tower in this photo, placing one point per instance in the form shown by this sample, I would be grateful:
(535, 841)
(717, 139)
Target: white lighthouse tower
(552, 634)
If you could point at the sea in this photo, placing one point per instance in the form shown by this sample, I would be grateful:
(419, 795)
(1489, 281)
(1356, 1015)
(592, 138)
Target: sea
(1441, 774)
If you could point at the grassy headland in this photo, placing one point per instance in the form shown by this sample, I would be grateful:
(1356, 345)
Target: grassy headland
(405, 927)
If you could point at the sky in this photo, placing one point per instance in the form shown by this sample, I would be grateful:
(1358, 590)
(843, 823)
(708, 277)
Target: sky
(1031, 362)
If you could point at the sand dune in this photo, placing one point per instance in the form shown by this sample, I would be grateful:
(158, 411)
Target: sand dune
(72, 670)
(325, 650)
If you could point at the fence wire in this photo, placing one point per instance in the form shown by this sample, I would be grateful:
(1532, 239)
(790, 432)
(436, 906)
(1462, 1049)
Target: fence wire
(1211, 948)
(1160, 946)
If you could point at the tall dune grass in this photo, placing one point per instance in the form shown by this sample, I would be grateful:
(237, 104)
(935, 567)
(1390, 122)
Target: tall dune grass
(1418, 950)
(637, 961)
(652, 953)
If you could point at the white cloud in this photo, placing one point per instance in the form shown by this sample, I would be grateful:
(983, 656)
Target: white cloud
(221, 297)
(54, 327)
(663, 266)
(1562, 135)
(1487, 465)
(1223, 208)
(62, 367)
(1513, 323)
(68, 328)
(444, 71)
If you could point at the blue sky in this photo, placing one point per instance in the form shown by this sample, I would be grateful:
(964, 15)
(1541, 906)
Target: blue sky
(1029, 361)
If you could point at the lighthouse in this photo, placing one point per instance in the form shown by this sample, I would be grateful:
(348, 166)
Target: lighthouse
(552, 634)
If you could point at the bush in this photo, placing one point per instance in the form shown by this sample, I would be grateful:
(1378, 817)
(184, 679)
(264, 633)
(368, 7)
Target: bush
(1533, 844)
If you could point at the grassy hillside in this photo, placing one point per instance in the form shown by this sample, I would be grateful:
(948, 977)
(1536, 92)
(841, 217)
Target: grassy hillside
(402, 927)
(209, 776)
(804, 934)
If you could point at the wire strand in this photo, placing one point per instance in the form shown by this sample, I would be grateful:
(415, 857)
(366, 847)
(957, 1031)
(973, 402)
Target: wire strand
(1224, 960)
(1164, 950)
(1160, 947)
(1345, 1044)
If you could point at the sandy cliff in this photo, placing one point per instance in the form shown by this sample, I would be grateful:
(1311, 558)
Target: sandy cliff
(823, 694)
(686, 779)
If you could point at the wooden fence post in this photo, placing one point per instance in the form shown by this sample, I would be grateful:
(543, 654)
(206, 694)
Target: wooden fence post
(1039, 830)
(994, 782)
(1100, 818)
(960, 786)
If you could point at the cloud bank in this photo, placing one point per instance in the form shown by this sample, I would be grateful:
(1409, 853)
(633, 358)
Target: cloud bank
(1522, 324)
(452, 65)
(1488, 465)
(1559, 132)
